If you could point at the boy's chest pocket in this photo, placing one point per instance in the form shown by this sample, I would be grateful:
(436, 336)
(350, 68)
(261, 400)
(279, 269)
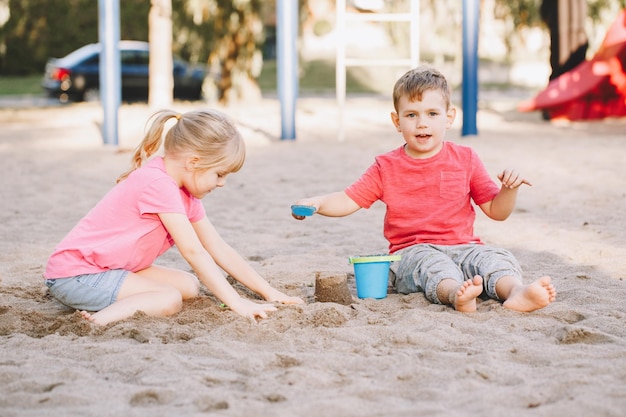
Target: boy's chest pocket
(453, 185)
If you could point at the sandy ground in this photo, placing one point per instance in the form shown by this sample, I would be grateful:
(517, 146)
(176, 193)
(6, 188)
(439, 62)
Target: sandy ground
(399, 356)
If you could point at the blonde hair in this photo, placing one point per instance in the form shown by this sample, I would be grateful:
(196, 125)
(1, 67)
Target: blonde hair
(418, 80)
(208, 134)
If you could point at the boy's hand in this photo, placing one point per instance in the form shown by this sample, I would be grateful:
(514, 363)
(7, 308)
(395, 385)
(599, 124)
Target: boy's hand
(309, 203)
(511, 179)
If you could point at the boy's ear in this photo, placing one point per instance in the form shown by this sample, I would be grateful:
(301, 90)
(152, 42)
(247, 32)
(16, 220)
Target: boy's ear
(451, 115)
(395, 119)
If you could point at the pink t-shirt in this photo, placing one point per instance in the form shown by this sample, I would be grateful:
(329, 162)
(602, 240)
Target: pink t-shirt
(428, 200)
(123, 231)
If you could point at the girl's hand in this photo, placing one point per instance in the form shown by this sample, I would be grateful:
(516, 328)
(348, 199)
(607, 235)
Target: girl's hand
(283, 298)
(251, 310)
(511, 179)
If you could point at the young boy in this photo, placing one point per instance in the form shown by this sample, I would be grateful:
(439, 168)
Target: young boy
(427, 185)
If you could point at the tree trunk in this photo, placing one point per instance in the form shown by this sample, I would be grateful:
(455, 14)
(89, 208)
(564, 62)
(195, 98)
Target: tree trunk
(161, 80)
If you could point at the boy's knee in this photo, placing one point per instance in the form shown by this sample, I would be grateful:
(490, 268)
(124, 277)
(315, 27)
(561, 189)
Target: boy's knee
(405, 284)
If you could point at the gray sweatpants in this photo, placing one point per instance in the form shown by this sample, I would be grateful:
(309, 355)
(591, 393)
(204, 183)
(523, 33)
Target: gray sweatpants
(423, 266)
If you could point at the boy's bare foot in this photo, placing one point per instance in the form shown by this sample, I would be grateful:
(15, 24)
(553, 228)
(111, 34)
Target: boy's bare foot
(465, 297)
(531, 297)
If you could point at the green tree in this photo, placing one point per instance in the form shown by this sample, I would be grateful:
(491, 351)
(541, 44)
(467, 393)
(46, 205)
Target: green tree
(40, 29)
(37, 30)
(228, 34)
(161, 80)
(526, 12)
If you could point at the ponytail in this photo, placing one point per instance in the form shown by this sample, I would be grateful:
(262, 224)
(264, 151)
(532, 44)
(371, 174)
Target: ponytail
(151, 141)
(208, 134)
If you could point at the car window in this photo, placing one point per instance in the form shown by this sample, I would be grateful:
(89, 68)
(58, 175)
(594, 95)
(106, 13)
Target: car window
(94, 60)
(82, 53)
(143, 57)
(134, 57)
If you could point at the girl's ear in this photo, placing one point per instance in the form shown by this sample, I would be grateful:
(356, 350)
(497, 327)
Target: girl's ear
(191, 163)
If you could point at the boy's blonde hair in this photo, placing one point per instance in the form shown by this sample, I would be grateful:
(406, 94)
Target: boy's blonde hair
(208, 134)
(414, 82)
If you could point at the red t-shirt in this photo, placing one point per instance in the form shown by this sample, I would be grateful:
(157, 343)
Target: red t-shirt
(124, 231)
(428, 200)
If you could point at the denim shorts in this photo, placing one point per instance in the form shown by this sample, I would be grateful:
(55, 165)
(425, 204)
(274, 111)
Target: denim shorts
(91, 292)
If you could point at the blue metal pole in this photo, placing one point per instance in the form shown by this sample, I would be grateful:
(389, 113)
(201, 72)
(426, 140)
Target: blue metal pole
(110, 70)
(287, 73)
(471, 11)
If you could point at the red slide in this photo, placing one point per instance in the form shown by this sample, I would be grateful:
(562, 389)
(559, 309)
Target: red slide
(595, 89)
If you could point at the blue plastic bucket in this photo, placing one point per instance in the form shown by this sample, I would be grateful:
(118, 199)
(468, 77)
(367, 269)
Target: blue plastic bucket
(372, 274)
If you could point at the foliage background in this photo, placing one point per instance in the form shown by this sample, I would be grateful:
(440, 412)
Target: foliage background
(233, 36)
(40, 29)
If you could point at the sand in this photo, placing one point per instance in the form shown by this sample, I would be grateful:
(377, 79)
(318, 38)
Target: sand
(399, 356)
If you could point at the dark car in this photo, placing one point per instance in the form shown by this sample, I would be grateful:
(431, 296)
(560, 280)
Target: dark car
(76, 76)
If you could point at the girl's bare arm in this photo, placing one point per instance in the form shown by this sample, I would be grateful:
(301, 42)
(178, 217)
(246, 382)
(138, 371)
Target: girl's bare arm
(234, 264)
(192, 249)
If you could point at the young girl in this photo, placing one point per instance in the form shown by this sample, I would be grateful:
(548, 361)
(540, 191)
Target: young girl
(105, 264)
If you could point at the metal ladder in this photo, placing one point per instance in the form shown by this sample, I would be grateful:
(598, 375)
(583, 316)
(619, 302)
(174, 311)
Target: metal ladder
(342, 62)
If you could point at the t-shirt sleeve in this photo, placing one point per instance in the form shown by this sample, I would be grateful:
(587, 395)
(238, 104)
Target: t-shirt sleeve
(160, 196)
(368, 189)
(196, 211)
(164, 196)
(482, 187)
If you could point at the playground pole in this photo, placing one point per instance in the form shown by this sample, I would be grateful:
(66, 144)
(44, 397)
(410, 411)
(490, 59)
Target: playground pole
(470, 66)
(287, 73)
(110, 71)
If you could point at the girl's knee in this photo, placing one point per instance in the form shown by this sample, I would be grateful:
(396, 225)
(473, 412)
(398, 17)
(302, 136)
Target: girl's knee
(190, 287)
(171, 302)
